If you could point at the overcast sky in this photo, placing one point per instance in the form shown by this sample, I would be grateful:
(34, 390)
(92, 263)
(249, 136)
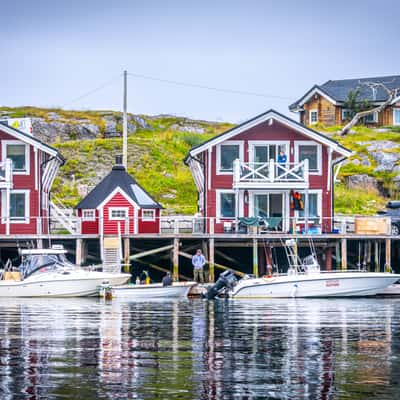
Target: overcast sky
(53, 52)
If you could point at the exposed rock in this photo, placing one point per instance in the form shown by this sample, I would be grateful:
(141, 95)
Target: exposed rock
(53, 115)
(386, 161)
(381, 145)
(362, 182)
(51, 132)
(365, 161)
(192, 128)
(141, 122)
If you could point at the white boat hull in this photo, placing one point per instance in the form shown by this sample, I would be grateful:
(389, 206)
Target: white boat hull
(151, 291)
(347, 284)
(77, 284)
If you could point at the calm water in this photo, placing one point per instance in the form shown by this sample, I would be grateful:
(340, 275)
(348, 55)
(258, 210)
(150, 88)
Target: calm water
(275, 349)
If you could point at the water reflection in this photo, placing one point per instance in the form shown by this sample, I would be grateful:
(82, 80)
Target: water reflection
(275, 349)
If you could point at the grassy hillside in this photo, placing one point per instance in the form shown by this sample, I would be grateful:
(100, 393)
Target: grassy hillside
(156, 155)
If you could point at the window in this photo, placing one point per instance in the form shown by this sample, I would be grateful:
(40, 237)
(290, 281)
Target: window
(88, 215)
(19, 206)
(148, 215)
(371, 118)
(312, 152)
(227, 153)
(313, 206)
(347, 114)
(396, 116)
(118, 213)
(313, 117)
(227, 205)
(18, 153)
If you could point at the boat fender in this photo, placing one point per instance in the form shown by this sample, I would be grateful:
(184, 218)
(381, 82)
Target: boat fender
(294, 290)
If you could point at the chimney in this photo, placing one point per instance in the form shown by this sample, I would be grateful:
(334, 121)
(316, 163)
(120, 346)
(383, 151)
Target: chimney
(118, 160)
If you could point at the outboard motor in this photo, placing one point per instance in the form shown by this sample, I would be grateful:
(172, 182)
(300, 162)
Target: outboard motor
(226, 280)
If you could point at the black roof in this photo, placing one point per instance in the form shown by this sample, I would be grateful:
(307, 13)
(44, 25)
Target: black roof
(339, 90)
(118, 178)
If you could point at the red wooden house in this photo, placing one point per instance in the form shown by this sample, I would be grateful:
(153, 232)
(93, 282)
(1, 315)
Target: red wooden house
(119, 205)
(260, 168)
(27, 171)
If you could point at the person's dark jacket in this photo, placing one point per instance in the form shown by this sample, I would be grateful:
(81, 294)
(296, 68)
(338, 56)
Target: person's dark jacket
(167, 280)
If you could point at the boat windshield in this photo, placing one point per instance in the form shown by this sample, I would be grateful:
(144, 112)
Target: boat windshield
(39, 263)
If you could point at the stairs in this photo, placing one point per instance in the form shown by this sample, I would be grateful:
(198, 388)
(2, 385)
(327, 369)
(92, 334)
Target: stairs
(62, 217)
(112, 254)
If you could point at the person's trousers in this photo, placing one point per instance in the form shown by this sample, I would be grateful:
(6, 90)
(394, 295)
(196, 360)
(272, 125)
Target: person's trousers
(198, 275)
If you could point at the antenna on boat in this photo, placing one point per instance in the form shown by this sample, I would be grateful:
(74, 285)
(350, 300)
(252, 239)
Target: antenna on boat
(125, 124)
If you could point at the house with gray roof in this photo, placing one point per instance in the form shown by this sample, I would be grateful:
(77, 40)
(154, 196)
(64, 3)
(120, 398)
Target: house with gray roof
(326, 103)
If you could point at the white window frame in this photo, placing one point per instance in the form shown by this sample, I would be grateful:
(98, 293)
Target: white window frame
(395, 109)
(318, 192)
(375, 115)
(343, 112)
(111, 209)
(5, 143)
(91, 217)
(27, 207)
(310, 112)
(218, 193)
(149, 210)
(299, 143)
(253, 143)
(228, 142)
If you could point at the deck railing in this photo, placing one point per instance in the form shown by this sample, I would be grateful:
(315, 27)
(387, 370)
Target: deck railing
(198, 225)
(269, 174)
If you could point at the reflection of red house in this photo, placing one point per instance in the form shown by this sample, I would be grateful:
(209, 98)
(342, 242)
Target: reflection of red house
(239, 173)
(27, 171)
(119, 205)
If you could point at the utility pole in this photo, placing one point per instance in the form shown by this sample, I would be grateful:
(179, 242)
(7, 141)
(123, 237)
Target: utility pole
(125, 125)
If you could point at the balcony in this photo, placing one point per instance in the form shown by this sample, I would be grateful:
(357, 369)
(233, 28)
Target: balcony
(6, 181)
(270, 175)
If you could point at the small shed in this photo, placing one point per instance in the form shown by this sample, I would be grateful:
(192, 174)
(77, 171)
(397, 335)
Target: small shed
(119, 205)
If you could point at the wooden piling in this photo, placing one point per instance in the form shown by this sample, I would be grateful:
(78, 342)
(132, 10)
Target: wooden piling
(255, 257)
(344, 254)
(337, 255)
(78, 251)
(211, 276)
(388, 248)
(328, 259)
(175, 262)
(127, 250)
(376, 256)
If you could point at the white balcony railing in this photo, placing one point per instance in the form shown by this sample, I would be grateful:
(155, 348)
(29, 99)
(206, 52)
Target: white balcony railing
(271, 174)
(6, 181)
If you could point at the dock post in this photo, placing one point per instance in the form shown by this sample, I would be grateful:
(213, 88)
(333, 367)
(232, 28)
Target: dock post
(328, 259)
(255, 257)
(127, 250)
(211, 276)
(344, 254)
(388, 244)
(376, 256)
(78, 252)
(337, 255)
(175, 273)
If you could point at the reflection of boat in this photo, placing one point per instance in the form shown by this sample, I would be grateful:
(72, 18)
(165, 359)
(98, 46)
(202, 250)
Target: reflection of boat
(304, 279)
(47, 273)
(150, 291)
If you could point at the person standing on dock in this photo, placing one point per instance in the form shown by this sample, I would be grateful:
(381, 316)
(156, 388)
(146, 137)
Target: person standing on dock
(198, 262)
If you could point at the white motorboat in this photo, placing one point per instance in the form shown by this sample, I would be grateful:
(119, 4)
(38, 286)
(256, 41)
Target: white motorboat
(48, 273)
(304, 279)
(147, 292)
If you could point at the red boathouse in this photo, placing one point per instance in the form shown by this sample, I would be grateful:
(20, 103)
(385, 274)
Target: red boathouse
(270, 168)
(119, 205)
(27, 171)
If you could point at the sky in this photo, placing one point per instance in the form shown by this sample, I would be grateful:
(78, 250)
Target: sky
(57, 53)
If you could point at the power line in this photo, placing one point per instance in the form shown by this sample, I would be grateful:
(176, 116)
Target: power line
(198, 86)
(102, 86)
